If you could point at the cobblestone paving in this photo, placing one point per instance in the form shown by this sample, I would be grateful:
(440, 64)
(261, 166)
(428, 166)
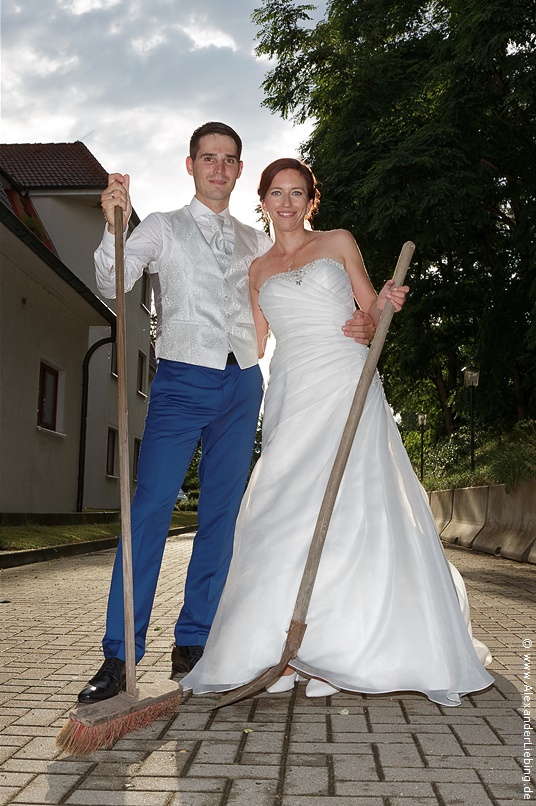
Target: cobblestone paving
(279, 750)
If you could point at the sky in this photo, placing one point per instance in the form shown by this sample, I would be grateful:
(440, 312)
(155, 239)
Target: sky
(132, 79)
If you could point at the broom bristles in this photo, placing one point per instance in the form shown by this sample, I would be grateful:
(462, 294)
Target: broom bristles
(81, 735)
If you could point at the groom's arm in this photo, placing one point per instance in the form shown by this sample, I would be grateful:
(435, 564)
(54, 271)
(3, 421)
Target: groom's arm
(360, 328)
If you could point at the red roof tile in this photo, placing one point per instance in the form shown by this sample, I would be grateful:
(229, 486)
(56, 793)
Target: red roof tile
(52, 165)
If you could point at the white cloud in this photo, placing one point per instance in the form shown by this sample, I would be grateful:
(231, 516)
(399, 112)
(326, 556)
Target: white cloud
(145, 45)
(43, 66)
(84, 6)
(206, 37)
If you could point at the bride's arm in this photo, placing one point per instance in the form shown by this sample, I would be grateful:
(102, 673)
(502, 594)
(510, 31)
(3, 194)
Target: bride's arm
(363, 289)
(261, 325)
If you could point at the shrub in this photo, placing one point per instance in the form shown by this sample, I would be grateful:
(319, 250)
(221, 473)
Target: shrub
(505, 458)
(190, 503)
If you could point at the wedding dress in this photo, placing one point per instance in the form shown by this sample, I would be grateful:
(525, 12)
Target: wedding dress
(386, 610)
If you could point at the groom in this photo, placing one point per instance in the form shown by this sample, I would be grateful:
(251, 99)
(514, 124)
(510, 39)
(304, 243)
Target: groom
(208, 386)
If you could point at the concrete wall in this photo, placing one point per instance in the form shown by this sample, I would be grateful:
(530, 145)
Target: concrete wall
(469, 507)
(510, 527)
(490, 519)
(441, 505)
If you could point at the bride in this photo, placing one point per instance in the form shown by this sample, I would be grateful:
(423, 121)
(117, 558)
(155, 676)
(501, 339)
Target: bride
(388, 612)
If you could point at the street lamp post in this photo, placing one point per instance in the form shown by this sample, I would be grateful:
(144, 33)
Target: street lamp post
(471, 377)
(422, 423)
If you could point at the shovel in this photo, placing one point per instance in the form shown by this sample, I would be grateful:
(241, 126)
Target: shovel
(297, 627)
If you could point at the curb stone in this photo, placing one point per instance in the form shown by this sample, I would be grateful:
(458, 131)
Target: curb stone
(13, 559)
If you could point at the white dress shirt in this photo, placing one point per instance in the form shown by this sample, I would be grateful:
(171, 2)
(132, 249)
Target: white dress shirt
(150, 240)
(202, 215)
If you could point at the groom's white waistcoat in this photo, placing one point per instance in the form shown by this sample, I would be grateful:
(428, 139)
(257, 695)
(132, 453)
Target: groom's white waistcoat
(204, 311)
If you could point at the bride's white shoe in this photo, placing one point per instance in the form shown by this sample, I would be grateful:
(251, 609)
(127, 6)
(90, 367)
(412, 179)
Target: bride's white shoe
(318, 688)
(285, 683)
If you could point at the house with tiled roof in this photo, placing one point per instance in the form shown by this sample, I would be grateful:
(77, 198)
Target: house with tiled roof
(58, 381)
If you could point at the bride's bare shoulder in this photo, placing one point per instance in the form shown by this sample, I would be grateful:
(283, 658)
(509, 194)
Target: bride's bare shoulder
(337, 244)
(340, 234)
(259, 269)
(256, 265)
(334, 236)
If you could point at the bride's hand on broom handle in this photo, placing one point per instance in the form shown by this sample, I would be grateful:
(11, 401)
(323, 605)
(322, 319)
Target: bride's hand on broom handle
(396, 295)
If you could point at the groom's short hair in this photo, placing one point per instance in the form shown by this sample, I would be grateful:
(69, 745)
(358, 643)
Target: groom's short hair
(213, 128)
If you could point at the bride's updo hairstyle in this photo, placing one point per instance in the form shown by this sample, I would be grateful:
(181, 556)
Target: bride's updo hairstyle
(283, 164)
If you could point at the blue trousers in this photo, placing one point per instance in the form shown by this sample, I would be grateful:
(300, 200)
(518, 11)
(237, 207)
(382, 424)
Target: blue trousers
(187, 403)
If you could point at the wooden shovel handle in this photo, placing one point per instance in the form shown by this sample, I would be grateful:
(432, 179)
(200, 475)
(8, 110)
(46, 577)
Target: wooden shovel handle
(124, 465)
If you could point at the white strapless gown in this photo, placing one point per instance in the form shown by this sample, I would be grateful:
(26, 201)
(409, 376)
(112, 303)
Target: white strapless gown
(388, 612)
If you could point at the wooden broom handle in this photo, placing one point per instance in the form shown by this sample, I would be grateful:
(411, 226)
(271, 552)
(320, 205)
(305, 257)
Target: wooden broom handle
(341, 458)
(124, 465)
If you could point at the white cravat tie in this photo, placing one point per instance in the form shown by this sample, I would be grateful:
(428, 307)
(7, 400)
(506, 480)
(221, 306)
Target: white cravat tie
(221, 248)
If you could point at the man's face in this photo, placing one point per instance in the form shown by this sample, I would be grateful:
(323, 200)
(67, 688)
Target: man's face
(215, 169)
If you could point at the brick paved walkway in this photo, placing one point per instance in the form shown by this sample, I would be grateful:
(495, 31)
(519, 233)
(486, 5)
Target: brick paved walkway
(279, 750)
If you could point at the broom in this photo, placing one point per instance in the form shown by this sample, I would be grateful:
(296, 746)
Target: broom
(101, 724)
(298, 625)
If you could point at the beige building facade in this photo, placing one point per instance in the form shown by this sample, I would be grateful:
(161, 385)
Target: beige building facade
(58, 381)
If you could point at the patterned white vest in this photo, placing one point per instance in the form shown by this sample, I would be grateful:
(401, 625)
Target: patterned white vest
(203, 311)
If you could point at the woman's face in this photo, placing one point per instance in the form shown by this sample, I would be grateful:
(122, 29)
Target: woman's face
(286, 201)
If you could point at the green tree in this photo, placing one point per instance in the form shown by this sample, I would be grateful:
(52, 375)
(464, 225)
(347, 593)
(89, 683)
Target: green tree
(425, 130)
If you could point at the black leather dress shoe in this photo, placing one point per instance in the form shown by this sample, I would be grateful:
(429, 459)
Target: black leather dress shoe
(184, 658)
(109, 681)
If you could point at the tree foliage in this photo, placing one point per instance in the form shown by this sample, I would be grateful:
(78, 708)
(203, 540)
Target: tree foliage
(425, 130)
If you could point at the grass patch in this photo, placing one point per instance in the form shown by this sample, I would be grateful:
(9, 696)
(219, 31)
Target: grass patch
(34, 536)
